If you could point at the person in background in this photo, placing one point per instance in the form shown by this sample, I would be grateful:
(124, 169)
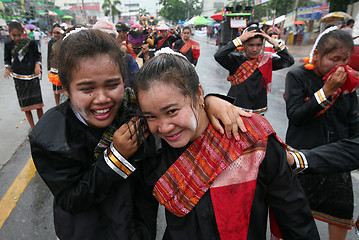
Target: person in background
(31, 34)
(349, 27)
(51, 65)
(37, 37)
(122, 38)
(119, 32)
(23, 62)
(189, 48)
(166, 37)
(322, 108)
(136, 41)
(250, 70)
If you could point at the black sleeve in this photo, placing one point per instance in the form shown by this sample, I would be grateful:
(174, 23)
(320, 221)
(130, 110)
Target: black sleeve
(49, 54)
(7, 54)
(341, 156)
(66, 166)
(286, 198)
(284, 60)
(225, 59)
(223, 97)
(299, 111)
(176, 47)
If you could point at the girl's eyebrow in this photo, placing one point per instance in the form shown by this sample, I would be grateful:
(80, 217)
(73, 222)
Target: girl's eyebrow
(89, 82)
(113, 80)
(168, 106)
(164, 108)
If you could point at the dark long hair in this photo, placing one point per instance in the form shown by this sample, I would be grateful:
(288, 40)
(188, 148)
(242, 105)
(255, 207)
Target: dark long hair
(169, 68)
(87, 43)
(334, 40)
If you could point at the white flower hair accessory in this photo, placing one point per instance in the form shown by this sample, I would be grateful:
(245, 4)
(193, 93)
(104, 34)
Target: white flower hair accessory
(76, 30)
(168, 50)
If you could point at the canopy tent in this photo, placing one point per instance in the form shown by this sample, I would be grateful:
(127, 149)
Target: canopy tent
(58, 12)
(67, 17)
(201, 21)
(191, 21)
(40, 12)
(276, 21)
(335, 15)
(51, 13)
(218, 16)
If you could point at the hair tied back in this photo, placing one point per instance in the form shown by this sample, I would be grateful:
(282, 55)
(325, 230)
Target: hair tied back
(309, 60)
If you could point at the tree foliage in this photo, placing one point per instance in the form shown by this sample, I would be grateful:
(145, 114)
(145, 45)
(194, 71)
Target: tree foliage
(110, 8)
(175, 10)
(339, 5)
(143, 12)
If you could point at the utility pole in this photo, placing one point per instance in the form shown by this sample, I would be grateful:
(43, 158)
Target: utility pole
(83, 11)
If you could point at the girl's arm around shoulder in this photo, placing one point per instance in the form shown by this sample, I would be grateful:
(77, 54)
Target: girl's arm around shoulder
(285, 196)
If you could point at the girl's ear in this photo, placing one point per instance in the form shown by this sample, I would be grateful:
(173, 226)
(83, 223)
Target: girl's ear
(66, 92)
(200, 97)
(315, 54)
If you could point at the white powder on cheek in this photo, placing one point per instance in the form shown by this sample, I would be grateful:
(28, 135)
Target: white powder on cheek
(192, 123)
(81, 109)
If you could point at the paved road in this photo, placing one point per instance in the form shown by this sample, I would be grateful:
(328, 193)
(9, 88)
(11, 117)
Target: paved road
(31, 218)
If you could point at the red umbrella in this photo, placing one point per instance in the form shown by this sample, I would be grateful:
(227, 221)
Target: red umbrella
(218, 16)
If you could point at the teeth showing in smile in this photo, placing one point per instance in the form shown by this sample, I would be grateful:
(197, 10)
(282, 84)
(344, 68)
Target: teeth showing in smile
(101, 112)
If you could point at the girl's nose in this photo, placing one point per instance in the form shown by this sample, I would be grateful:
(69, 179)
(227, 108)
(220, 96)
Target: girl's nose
(164, 127)
(101, 97)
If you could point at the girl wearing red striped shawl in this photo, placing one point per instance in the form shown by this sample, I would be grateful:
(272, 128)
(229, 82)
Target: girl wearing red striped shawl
(187, 46)
(215, 187)
(250, 70)
(322, 108)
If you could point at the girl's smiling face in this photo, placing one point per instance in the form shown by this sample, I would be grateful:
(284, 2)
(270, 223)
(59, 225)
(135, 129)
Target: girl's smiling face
(171, 115)
(324, 63)
(96, 90)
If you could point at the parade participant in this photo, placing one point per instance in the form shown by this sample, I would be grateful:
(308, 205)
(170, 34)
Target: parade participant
(187, 46)
(250, 72)
(322, 108)
(23, 62)
(122, 30)
(94, 182)
(106, 25)
(136, 40)
(30, 35)
(37, 37)
(214, 187)
(51, 65)
(166, 38)
(349, 27)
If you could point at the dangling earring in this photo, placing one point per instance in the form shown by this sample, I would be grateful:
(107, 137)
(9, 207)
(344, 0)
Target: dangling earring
(202, 106)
